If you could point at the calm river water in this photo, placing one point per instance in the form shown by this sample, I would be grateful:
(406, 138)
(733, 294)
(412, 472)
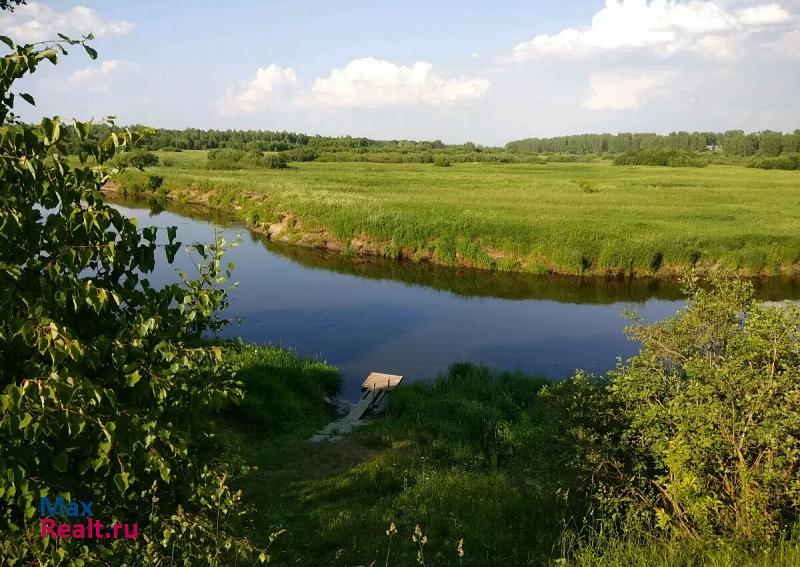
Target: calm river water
(416, 319)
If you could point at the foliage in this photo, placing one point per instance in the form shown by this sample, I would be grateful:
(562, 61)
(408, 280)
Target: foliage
(154, 182)
(666, 158)
(733, 142)
(701, 430)
(225, 159)
(135, 157)
(785, 161)
(230, 159)
(106, 393)
(441, 161)
(274, 161)
(11, 4)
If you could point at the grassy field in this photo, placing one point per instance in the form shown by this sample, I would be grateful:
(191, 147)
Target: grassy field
(475, 456)
(574, 218)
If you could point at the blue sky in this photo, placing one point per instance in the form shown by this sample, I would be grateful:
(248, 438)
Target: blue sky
(482, 71)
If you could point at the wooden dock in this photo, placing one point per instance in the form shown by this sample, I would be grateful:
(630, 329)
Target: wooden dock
(374, 397)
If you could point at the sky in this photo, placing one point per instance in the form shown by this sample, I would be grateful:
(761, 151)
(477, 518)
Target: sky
(487, 72)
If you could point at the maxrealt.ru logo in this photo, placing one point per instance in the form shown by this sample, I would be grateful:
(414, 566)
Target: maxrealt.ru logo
(85, 527)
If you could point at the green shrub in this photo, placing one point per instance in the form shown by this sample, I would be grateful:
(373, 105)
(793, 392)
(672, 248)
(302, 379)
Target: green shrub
(273, 161)
(154, 182)
(228, 159)
(664, 158)
(225, 158)
(700, 432)
(785, 161)
(441, 161)
(138, 158)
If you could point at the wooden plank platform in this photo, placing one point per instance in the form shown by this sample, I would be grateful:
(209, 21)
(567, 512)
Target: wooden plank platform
(375, 389)
(378, 380)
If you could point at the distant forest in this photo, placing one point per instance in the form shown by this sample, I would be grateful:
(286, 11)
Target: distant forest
(302, 147)
(732, 142)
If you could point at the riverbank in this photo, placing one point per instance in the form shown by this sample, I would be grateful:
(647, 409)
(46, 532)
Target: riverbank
(577, 218)
(481, 461)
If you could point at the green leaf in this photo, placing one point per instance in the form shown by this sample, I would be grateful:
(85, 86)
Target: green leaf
(7, 41)
(28, 98)
(83, 129)
(26, 419)
(133, 378)
(121, 480)
(92, 53)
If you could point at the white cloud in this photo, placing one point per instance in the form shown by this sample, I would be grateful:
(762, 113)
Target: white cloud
(620, 91)
(38, 22)
(662, 26)
(763, 15)
(785, 46)
(370, 82)
(258, 92)
(95, 79)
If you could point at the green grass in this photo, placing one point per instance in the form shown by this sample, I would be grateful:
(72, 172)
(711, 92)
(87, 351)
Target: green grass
(475, 455)
(570, 218)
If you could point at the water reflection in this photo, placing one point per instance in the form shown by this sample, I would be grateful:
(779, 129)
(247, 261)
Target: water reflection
(367, 314)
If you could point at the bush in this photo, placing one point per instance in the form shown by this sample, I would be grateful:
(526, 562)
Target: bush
(273, 161)
(664, 158)
(154, 182)
(701, 430)
(225, 158)
(228, 159)
(441, 161)
(138, 158)
(786, 161)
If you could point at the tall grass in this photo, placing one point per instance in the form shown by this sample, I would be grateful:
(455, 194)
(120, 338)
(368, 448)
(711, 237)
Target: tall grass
(475, 455)
(579, 218)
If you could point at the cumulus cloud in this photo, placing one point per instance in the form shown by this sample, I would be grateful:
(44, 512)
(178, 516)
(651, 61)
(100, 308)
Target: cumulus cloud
(370, 82)
(620, 91)
(38, 22)
(259, 92)
(95, 79)
(665, 27)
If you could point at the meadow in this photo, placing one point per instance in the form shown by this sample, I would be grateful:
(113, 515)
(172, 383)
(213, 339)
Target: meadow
(573, 218)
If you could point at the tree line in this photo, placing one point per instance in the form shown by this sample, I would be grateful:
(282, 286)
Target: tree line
(306, 147)
(732, 142)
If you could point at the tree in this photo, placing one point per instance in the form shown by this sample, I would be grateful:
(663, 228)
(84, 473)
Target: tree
(710, 410)
(11, 4)
(770, 144)
(106, 388)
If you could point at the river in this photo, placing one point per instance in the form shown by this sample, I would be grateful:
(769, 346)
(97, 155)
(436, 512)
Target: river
(368, 315)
